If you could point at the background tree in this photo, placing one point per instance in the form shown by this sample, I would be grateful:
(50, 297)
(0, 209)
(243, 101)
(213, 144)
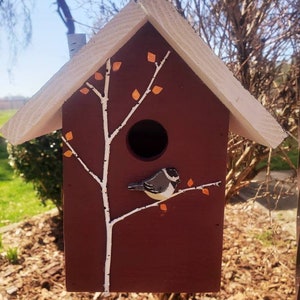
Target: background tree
(66, 16)
(40, 160)
(15, 25)
(259, 42)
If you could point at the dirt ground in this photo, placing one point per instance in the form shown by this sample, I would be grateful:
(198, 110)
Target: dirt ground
(259, 255)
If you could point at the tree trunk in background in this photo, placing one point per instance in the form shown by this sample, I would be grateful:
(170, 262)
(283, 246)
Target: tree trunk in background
(257, 40)
(66, 16)
(298, 178)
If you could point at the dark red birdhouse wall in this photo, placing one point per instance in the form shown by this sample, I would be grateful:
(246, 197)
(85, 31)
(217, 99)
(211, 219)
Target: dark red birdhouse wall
(143, 111)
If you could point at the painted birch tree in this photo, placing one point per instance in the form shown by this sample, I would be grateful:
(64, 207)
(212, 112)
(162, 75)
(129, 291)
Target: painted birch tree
(139, 97)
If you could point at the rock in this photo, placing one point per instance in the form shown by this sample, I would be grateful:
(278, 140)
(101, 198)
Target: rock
(11, 290)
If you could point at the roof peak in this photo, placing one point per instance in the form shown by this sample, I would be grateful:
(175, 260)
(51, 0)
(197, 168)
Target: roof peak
(42, 114)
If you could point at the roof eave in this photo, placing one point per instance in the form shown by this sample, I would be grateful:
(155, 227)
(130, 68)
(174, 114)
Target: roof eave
(248, 117)
(42, 114)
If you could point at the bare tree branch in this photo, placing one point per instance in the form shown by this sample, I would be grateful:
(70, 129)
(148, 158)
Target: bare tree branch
(66, 16)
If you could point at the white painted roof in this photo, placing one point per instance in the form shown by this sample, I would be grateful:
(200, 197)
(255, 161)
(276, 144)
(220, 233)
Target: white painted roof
(42, 114)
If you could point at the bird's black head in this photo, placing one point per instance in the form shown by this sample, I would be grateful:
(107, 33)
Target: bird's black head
(173, 174)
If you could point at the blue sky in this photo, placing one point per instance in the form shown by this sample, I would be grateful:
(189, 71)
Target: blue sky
(45, 55)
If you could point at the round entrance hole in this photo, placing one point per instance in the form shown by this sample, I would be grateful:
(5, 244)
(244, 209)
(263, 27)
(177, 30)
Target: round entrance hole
(147, 139)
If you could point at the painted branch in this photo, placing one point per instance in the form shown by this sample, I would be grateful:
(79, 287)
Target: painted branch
(147, 91)
(105, 198)
(107, 266)
(104, 98)
(157, 203)
(98, 94)
(200, 187)
(107, 79)
(82, 162)
(107, 141)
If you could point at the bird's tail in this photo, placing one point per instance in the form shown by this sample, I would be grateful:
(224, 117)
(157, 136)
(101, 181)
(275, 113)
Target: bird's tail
(135, 186)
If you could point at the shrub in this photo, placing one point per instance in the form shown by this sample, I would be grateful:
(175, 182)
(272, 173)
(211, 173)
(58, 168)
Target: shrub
(40, 161)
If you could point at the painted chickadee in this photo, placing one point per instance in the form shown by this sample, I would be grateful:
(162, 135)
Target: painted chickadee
(160, 186)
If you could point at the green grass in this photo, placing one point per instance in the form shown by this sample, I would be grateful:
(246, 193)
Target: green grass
(277, 162)
(266, 238)
(5, 115)
(18, 200)
(12, 255)
(1, 243)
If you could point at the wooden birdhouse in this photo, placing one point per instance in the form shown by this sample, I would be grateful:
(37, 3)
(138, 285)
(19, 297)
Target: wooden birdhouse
(144, 96)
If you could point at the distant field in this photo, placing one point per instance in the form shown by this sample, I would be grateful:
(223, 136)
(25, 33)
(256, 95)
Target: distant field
(5, 115)
(17, 198)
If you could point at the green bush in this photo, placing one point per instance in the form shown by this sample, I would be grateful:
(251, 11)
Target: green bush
(40, 161)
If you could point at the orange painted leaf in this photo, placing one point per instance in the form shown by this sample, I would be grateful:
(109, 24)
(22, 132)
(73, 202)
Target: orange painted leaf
(84, 91)
(116, 66)
(190, 182)
(157, 89)
(151, 57)
(136, 95)
(205, 192)
(98, 76)
(163, 207)
(68, 153)
(69, 136)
